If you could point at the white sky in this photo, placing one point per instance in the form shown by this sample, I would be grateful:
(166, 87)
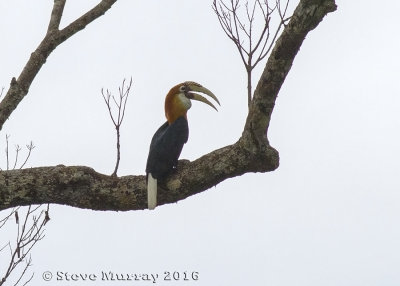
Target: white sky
(328, 216)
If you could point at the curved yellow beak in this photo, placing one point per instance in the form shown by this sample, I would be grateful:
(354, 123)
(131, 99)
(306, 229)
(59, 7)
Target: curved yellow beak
(193, 86)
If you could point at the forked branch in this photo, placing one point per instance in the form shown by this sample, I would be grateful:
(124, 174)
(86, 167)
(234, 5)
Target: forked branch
(19, 87)
(30, 230)
(56, 15)
(29, 148)
(239, 26)
(27, 236)
(120, 103)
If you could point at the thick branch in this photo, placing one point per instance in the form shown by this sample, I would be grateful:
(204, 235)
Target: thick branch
(83, 187)
(308, 14)
(19, 87)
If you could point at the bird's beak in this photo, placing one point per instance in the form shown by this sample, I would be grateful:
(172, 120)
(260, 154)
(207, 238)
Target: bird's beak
(193, 86)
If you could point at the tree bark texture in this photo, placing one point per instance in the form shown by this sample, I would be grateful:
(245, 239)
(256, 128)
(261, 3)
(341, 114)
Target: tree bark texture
(82, 187)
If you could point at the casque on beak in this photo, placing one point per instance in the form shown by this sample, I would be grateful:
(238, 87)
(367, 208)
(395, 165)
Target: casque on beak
(193, 86)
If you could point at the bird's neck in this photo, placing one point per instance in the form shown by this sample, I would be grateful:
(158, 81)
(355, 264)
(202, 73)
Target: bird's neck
(172, 116)
(174, 108)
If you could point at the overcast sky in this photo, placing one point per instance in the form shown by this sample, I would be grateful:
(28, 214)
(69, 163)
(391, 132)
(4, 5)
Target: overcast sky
(329, 215)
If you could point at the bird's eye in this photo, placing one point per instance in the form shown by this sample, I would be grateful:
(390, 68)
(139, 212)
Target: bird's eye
(183, 88)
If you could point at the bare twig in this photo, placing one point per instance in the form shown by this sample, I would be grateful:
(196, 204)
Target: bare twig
(29, 147)
(7, 153)
(17, 149)
(27, 265)
(16, 217)
(29, 232)
(5, 219)
(120, 103)
(251, 49)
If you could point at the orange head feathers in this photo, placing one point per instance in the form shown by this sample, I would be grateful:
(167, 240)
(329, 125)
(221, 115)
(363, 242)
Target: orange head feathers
(177, 101)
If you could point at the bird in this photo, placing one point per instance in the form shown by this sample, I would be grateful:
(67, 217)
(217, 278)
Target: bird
(167, 142)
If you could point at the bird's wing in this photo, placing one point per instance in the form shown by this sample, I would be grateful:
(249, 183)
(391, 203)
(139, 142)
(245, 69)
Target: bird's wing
(166, 147)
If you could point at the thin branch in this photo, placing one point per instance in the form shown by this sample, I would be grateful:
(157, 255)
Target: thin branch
(263, 53)
(5, 219)
(29, 232)
(124, 93)
(266, 29)
(106, 98)
(282, 15)
(8, 244)
(233, 27)
(29, 280)
(282, 23)
(225, 15)
(117, 120)
(27, 265)
(7, 153)
(16, 217)
(17, 149)
(30, 147)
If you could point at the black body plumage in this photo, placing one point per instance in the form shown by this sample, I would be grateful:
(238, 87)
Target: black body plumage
(166, 146)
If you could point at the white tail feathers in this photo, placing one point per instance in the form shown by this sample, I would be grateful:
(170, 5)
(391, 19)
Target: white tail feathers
(151, 192)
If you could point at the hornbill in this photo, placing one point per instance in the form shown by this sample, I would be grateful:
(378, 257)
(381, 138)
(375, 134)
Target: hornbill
(167, 143)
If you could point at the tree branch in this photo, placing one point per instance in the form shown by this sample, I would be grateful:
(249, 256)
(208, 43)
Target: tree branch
(56, 15)
(30, 230)
(19, 87)
(84, 188)
(121, 105)
(249, 51)
(307, 15)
